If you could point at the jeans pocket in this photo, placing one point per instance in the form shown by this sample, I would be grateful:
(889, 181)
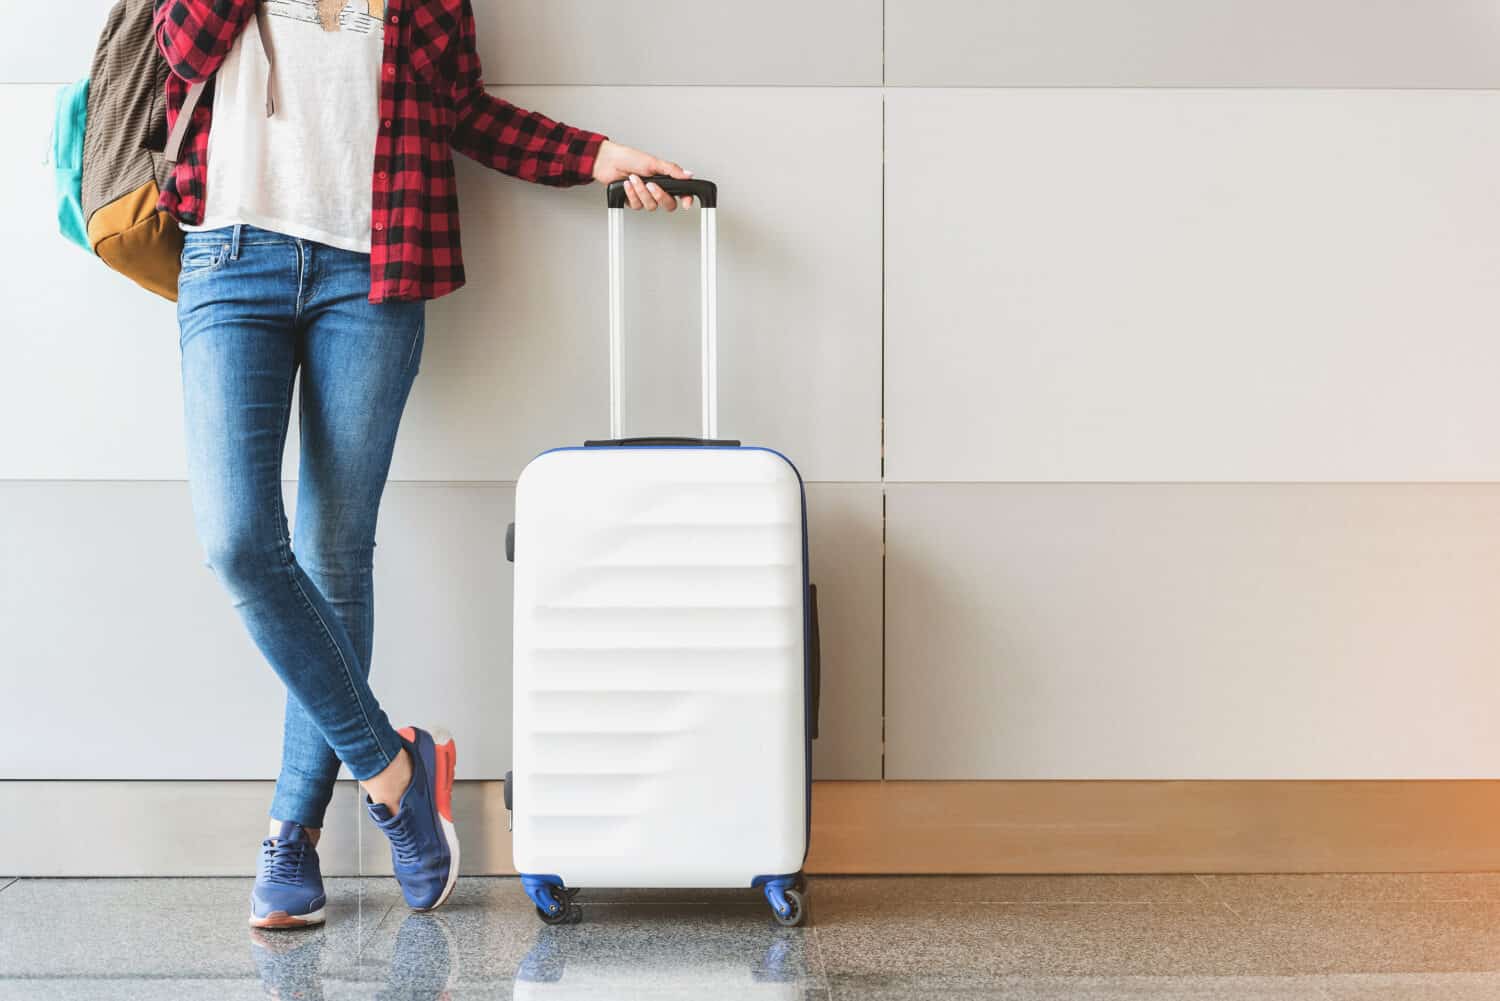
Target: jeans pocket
(199, 258)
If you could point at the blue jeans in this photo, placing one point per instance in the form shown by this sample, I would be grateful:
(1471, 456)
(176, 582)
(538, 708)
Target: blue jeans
(255, 308)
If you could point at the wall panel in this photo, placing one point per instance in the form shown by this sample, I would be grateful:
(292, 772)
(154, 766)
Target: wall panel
(844, 529)
(43, 47)
(91, 384)
(859, 828)
(523, 363)
(131, 664)
(835, 42)
(1192, 43)
(120, 639)
(517, 362)
(1194, 286)
(1067, 631)
(679, 42)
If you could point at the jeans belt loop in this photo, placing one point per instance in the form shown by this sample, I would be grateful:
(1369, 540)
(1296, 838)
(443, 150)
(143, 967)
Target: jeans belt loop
(234, 242)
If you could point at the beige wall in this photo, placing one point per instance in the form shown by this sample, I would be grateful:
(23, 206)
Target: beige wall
(1179, 316)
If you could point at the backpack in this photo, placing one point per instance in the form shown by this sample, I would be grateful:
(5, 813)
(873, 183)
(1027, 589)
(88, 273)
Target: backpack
(107, 141)
(113, 154)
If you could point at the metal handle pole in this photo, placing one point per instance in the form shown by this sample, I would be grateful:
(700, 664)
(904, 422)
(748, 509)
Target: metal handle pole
(710, 306)
(709, 345)
(616, 320)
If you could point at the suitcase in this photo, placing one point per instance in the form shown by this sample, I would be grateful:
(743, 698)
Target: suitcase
(666, 651)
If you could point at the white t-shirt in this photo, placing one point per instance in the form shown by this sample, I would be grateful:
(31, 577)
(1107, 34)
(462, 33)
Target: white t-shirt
(306, 170)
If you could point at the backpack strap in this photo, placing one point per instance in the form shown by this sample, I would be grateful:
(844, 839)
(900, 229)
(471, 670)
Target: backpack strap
(195, 95)
(184, 116)
(264, 24)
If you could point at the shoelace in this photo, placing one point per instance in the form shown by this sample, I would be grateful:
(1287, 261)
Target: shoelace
(403, 844)
(284, 861)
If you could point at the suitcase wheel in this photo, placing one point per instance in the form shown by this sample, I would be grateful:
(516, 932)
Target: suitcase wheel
(788, 900)
(554, 903)
(796, 910)
(570, 914)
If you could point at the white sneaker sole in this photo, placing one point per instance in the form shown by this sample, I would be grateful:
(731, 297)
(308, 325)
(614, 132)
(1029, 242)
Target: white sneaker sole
(451, 834)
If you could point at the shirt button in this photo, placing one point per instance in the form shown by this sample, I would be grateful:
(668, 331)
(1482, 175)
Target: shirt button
(379, 226)
(395, 18)
(387, 123)
(390, 71)
(381, 175)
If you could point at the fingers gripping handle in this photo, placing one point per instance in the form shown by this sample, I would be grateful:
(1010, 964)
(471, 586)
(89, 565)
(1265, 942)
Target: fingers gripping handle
(707, 192)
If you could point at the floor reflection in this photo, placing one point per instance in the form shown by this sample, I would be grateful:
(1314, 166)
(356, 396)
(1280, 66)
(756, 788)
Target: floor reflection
(290, 965)
(423, 963)
(650, 961)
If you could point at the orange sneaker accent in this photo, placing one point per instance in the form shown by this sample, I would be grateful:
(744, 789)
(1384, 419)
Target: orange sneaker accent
(447, 760)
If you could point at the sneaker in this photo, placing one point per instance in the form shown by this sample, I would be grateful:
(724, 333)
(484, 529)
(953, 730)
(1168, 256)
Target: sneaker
(424, 843)
(288, 883)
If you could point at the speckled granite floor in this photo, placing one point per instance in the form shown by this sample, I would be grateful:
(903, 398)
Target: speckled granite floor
(1080, 938)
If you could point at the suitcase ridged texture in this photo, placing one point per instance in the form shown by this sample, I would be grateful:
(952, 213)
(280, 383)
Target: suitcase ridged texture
(660, 731)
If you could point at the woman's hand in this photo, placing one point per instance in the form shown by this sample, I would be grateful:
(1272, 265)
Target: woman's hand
(621, 163)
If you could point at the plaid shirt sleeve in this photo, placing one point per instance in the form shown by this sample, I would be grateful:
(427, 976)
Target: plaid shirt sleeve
(496, 133)
(194, 36)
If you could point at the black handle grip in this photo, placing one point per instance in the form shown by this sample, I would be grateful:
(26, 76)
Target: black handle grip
(707, 192)
(656, 441)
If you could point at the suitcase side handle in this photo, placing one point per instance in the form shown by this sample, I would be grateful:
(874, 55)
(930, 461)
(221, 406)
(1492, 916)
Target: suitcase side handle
(815, 660)
(708, 194)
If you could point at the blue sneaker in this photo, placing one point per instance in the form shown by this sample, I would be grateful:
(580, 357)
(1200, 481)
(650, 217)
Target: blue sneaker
(288, 883)
(424, 842)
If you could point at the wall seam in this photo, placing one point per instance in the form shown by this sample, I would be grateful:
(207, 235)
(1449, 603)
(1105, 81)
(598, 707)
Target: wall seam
(883, 544)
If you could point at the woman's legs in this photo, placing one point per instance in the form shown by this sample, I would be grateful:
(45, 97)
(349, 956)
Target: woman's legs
(358, 363)
(241, 304)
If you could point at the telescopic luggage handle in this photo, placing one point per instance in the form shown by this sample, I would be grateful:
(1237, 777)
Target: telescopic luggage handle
(707, 194)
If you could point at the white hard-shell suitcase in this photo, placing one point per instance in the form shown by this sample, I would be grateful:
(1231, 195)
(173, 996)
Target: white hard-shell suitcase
(666, 652)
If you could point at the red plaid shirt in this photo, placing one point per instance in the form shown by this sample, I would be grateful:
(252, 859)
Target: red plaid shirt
(432, 101)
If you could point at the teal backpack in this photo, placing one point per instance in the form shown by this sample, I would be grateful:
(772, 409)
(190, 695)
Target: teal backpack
(67, 161)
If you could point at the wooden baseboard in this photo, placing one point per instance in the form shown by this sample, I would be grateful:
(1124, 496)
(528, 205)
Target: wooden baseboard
(1155, 827)
(212, 828)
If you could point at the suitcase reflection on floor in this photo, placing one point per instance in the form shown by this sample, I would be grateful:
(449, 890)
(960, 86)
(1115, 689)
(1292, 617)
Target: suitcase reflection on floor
(669, 960)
